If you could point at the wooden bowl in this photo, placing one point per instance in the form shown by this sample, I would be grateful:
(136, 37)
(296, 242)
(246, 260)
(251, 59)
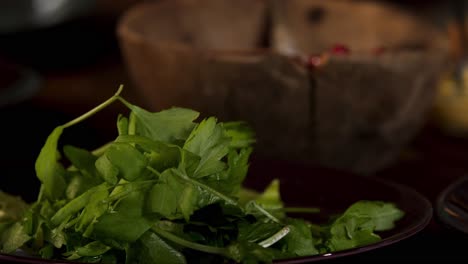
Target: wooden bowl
(245, 60)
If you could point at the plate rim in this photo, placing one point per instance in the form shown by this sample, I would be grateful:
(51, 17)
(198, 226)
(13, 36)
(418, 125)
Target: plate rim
(387, 241)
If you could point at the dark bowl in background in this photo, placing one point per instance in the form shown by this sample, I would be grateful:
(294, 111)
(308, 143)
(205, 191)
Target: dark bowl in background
(357, 112)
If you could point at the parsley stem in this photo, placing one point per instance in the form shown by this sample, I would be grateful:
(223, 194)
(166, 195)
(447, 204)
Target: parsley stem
(316, 229)
(152, 170)
(189, 244)
(131, 123)
(276, 237)
(94, 110)
(100, 150)
(40, 196)
(207, 188)
(265, 212)
(125, 102)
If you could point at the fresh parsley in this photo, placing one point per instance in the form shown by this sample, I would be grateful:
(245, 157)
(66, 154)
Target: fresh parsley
(168, 189)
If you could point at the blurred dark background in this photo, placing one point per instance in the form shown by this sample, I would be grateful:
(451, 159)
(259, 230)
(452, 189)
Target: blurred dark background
(55, 56)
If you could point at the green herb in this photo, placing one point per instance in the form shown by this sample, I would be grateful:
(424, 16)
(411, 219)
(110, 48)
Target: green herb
(168, 189)
(11, 207)
(358, 223)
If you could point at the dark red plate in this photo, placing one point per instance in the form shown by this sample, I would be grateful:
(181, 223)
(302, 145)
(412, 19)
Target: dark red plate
(332, 191)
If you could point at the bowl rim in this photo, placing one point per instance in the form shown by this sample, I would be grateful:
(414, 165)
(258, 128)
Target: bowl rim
(125, 32)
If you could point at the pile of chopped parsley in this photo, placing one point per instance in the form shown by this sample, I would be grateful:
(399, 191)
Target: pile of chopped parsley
(169, 189)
